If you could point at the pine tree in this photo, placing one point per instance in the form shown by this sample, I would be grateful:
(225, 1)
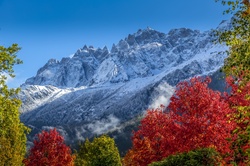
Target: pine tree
(12, 131)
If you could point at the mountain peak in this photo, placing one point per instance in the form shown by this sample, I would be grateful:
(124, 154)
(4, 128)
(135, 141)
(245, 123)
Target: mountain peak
(97, 87)
(182, 32)
(105, 48)
(149, 28)
(123, 45)
(85, 47)
(52, 61)
(114, 49)
(142, 54)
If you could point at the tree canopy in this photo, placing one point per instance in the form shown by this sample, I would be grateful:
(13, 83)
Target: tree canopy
(197, 117)
(237, 38)
(102, 151)
(12, 131)
(49, 149)
(237, 68)
(198, 157)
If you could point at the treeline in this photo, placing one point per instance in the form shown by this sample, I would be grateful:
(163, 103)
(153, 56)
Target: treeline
(199, 126)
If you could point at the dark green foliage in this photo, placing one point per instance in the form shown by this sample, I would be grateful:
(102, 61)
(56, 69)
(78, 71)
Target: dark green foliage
(101, 152)
(200, 157)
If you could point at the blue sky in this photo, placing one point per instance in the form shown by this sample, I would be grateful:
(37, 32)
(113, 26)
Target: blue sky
(48, 29)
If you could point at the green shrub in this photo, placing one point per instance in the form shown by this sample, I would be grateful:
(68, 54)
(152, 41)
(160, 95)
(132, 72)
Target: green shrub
(200, 157)
(102, 151)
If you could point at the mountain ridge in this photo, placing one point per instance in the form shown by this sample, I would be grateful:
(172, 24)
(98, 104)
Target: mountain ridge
(89, 62)
(98, 90)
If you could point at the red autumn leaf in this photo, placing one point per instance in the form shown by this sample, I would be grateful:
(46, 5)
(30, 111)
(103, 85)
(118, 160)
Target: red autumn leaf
(49, 149)
(197, 117)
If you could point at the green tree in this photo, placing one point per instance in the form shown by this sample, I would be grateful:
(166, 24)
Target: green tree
(239, 101)
(237, 38)
(237, 68)
(199, 157)
(101, 152)
(12, 131)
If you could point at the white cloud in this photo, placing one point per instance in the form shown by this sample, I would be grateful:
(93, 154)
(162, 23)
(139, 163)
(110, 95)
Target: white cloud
(79, 133)
(100, 127)
(162, 95)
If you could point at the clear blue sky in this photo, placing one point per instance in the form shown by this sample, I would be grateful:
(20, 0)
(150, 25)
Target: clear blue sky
(48, 29)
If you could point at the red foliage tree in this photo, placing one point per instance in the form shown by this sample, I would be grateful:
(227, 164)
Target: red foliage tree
(49, 149)
(197, 117)
(153, 141)
(202, 114)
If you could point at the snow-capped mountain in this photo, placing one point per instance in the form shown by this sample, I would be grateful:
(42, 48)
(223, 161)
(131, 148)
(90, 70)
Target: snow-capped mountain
(97, 90)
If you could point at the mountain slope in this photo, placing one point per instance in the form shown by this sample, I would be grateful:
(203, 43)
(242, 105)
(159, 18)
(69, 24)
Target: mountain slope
(97, 90)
